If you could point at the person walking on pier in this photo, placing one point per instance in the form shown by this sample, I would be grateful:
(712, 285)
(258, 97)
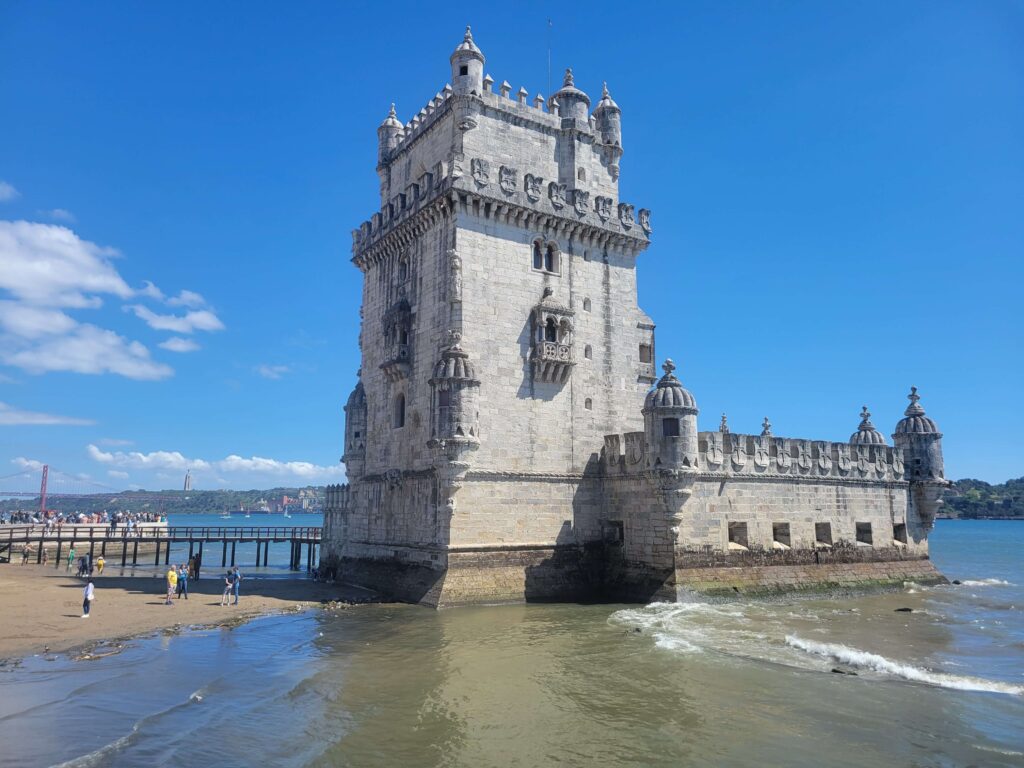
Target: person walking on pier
(182, 582)
(237, 583)
(71, 557)
(87, 597)
(172, 583)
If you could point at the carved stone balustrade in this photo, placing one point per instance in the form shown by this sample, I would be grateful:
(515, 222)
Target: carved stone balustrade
(552, 361)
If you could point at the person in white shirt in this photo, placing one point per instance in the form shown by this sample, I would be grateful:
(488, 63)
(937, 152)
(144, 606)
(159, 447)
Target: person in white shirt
(87, 597)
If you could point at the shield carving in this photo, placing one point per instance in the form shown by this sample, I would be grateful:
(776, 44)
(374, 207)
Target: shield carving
(626, 215)
(603, 207)
(556, 192)
(480, 169)
(645, 220)
(803, 456)
(897, 462)
(715, 454)
(580, 200)
(507, 179)
(634, 447)
(783, 460)
(739, 455)
(824, 458)
(843, 460)
(881, 465)
(761, 452)
(533, 187)
(863, 463)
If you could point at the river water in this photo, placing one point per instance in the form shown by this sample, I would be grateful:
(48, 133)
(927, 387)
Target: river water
(699, 684)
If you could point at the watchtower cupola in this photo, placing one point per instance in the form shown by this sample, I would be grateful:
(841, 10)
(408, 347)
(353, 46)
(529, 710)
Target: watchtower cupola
(573, 104)
(467, 66)
(389, 134)
(670, 423)
(866, 433)
(921, 441)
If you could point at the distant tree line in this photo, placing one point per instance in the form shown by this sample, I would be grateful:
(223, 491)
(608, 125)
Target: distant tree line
(976, 498)
(166, 502)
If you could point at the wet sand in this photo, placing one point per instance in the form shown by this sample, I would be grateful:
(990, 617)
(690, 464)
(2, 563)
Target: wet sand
(42, 607)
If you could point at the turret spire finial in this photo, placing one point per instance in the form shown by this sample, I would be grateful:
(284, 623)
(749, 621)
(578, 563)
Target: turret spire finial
(915, 408)
(724, 426)
(865, 417)
(469, 34)
(391, 112)
(604, 90)
(668, 366)
(567, 80)
(766, 428)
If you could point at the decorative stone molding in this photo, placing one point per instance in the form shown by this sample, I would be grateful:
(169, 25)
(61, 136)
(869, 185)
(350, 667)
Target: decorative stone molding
(552, 358)
(532, 186)
(481, 171)
(507, 179)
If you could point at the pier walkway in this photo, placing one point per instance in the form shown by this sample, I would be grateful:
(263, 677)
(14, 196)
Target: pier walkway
(103, 539)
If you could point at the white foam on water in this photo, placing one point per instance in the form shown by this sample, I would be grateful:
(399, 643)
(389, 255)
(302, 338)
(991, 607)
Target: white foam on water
(986, 583)
(865, 660)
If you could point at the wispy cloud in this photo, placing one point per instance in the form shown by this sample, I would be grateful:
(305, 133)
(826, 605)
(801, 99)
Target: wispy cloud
(272, 371)
(114, 441)
(175, 461)
(8, 192)
(178, 344)
(190, 322)
(11, 416)
(28, 464)
(117, 473)
(59, 214)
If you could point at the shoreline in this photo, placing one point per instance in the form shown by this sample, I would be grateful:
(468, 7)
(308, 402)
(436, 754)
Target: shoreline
(42, 608)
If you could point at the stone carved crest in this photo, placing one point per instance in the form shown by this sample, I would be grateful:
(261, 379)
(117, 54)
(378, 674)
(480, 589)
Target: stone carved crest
(580, 201)
(481, 171)
(533, 186)
(603, 207)
(634, 447)
(557, 193)
(645, 220)
(762, 454)
(843, 458)
(456, 165)
(897, 463)
(863, 463)
(824, 458)
(626, 215)
(393, 477)
(803, 457)
(783, 459)
(715, 454)
(454, 276)
(881, 465)
(739, 454)
(507, 179)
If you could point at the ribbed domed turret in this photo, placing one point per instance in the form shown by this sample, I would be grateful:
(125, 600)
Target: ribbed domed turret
(454, 364)
(572, 102)
(866, 433)
(914, 421)
(357, 399)
(669, 393)
(467, 48)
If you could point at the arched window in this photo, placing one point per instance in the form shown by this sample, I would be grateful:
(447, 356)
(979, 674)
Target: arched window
(588, 404)
(399, 421)
(588, 352)
(538, 255)
(550, 259)
(586, 305)
(550, 330)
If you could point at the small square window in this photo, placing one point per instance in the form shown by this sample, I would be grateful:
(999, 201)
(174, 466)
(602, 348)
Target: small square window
(899, 533)
(780, 534)
(738, 535)
(464, 70)
(823, 534)
(670, 427)
(864, 533)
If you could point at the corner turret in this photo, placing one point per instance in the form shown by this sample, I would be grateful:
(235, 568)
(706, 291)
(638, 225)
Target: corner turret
(670, 423)
(608, 120)
(573, 104)
(355, 432)
(921, 441)
(389, 134)
(467, 66)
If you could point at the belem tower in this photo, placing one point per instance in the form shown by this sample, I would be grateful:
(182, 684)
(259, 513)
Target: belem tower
(509, 436)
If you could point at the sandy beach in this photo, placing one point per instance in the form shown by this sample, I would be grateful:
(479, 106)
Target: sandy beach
(42, 606)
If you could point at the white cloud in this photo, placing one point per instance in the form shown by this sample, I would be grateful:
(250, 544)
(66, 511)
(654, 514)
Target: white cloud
(272, 371)
(232, 465)
(60, 214)
(30, 464)
(178, 344)
(86, 349)
(118, 474)
(189, 299)
(114, 441)
(190, 322)
(31, 322)
(149, 290)
(8, 192)
(50, 265)
(11, 416)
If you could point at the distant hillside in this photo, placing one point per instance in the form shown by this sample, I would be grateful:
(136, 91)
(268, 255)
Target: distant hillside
(169, 502)
(976, 498)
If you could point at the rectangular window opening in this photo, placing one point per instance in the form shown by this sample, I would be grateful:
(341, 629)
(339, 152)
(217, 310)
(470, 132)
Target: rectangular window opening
(737, 536)
(823, 534)
(464, 70)
(670, 427)
(780, 536)
(864, 534)
(645, 353)
(899, 533)
(614, 532)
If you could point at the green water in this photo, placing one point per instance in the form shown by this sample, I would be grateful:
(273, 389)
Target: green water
(702, 684)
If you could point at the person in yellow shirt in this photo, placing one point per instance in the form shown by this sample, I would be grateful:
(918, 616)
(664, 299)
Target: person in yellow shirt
(172, 584)
(100, 562)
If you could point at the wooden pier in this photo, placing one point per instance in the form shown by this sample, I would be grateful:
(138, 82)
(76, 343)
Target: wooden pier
(102, 539)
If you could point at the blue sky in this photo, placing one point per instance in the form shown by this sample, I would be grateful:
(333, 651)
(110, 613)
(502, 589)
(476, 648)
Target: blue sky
(837, 194)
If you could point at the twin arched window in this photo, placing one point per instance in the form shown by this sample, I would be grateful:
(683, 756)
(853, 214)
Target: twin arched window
(545, 257)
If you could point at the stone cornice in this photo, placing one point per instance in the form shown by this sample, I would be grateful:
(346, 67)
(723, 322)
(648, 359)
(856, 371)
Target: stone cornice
(370, 245)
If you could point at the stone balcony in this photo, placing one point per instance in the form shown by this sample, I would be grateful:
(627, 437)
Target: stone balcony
(396, 362)
(552, 361)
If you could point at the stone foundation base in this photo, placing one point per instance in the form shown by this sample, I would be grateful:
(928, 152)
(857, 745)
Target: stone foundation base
(596, 574)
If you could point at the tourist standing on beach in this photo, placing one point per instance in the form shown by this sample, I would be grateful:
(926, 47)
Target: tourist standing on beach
(172, 583)
(237, 582)
(46, 556)
(199, 564)
(25, 552)
(229, 587)
(71, 557)
(182, 582)
(87, 597)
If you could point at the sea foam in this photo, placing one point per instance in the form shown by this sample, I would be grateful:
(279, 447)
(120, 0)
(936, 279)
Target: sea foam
(865, 660)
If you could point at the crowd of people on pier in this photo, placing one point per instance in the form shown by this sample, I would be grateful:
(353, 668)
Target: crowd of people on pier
(128, 523)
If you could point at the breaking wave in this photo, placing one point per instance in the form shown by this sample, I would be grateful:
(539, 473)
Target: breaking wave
(986, 583)
(876, 663)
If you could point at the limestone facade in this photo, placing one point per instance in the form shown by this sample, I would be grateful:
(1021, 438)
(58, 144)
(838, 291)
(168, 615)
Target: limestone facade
(504, 441)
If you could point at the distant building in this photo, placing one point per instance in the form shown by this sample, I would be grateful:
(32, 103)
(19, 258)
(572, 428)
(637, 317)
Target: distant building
(509, 438)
